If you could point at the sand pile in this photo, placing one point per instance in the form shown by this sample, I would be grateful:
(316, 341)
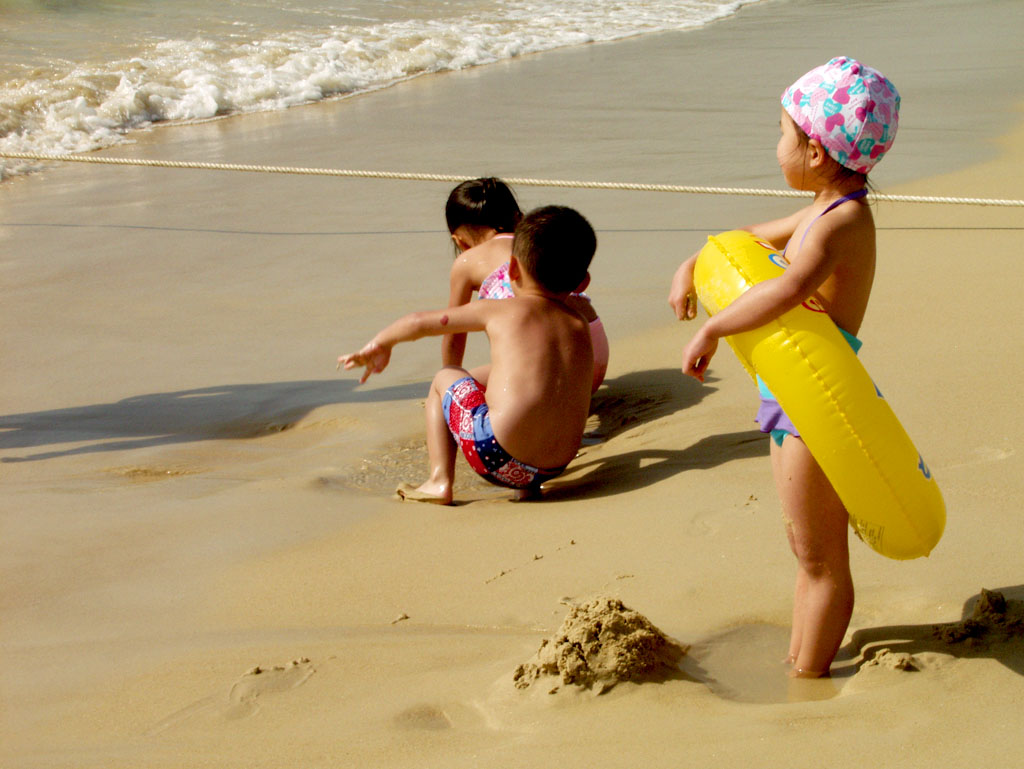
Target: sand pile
(599, 644)
(890, 660)
(994, 619)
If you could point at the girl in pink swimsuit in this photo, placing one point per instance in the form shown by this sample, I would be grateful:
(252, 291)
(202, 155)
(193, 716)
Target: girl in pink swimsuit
(482, 215)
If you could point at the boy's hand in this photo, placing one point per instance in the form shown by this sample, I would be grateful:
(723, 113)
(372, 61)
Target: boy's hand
(698, 354)
(374, 356)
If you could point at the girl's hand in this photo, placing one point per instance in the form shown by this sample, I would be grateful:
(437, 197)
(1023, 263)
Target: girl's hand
(698, 354)
(682, 297)
(374, 356)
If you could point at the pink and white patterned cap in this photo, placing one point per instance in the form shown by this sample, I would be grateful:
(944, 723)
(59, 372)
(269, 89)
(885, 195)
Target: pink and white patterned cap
(852, 109)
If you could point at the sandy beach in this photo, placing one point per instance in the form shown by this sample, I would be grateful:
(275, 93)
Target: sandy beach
(203, 563)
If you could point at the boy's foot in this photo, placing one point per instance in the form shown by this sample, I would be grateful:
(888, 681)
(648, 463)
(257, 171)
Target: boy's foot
(526, 495)
(410, 493)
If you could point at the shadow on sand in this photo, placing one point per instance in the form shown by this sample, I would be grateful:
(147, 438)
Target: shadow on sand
(635, 399)
(224, 412)
(991, 626)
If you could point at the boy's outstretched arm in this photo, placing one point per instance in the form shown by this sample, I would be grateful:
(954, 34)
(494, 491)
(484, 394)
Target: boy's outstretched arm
(376, 354)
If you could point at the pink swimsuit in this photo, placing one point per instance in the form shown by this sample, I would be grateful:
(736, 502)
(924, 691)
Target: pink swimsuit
(498, 286)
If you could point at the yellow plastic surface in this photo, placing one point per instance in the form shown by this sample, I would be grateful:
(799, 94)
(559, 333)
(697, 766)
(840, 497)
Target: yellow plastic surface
(894, 503)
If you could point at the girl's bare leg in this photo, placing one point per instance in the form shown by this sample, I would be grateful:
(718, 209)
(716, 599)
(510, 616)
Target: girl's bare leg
(816, 524)
(800, 591)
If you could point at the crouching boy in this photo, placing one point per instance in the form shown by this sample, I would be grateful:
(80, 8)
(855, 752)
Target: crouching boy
(520, 419)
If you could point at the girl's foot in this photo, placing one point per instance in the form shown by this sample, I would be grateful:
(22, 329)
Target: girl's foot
(801, 673)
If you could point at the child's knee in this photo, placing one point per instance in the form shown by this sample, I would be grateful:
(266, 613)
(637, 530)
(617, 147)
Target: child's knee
(822, 562)
(446, 377)
(813, 565)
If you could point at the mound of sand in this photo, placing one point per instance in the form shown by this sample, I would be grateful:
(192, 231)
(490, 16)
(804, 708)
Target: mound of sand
(599, 644)
(994, 619)
(890, 660)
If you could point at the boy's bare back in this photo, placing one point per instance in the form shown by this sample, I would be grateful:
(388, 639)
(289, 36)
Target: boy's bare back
(539, 386)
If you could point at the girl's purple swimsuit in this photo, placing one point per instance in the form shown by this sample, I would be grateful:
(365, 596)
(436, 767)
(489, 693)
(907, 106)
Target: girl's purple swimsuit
(770, 416)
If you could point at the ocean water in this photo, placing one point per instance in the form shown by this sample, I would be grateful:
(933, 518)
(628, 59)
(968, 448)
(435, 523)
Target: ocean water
(78, 75)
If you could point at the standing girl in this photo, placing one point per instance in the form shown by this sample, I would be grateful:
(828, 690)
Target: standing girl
(837, 122)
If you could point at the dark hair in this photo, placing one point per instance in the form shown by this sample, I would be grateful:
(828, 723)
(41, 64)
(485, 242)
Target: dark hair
(485, 202)
(555, 244)
(841, 173)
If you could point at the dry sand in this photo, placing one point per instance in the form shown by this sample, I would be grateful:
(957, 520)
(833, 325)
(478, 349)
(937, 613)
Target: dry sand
(201, 561)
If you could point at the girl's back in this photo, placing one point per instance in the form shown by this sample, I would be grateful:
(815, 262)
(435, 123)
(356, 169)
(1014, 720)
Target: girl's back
(846, 235)
(473, 266)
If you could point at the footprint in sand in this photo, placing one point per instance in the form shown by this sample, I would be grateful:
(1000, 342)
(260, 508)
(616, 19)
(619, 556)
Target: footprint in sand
(245, 696)
(982, 455)
(143, 473)
(428, 717)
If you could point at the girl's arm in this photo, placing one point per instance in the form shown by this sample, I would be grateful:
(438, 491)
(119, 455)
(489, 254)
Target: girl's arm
(460, 292)
(777, 231)
(681, 296)
(764, 302)
(376, 354)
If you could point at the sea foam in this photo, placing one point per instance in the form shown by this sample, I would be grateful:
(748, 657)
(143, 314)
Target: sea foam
(66, 107)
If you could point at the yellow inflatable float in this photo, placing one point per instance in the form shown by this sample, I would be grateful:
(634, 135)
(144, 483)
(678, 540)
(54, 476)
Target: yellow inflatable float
(894, 503)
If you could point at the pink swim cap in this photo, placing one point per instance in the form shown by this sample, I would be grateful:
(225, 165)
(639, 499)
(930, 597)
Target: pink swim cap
(850, 108)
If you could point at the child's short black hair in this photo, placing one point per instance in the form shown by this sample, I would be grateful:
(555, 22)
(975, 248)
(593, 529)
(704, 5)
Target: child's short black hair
(486, 202)
(555, 244)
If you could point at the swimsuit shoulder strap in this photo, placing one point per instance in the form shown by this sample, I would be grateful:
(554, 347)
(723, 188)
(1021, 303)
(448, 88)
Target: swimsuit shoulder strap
(835, 203)
(852, 196)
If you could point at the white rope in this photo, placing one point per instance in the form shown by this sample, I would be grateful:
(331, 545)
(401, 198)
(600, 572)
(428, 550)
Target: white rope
(518, 182)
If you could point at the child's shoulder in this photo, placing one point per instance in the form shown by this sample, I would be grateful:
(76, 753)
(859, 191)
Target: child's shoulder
(555, 312)
(535, 305)
(850, 225)
(477, 263)
(841, 225)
